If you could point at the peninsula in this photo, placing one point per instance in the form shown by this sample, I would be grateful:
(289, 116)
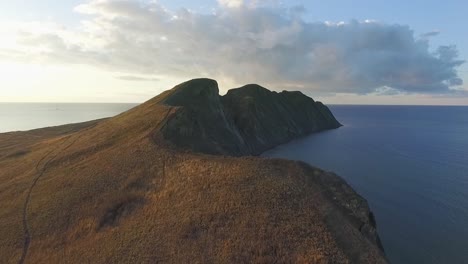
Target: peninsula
(177, 180)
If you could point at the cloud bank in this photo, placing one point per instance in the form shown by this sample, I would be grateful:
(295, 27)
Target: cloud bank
(243, 41)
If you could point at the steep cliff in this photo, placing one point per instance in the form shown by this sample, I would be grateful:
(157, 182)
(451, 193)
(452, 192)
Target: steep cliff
(201, 124)
(245, 121)
(266, 119)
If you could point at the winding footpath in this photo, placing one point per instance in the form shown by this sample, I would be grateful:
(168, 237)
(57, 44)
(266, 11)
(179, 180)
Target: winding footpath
(39, 173)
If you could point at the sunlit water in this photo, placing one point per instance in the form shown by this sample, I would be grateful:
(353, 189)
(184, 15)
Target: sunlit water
(25, 116)
(411, 164)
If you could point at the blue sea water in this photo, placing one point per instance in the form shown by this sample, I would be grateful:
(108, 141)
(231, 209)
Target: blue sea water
(25, 116)
(411, 164)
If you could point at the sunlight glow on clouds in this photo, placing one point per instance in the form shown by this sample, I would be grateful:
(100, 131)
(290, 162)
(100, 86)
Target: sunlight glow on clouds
(241, 42)
(74, 83)
(231, 3)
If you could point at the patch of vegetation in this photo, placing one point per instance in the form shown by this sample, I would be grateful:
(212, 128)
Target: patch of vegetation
(120, 207)
(17, 154)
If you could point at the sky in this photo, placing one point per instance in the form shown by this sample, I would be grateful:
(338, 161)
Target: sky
(339, 52)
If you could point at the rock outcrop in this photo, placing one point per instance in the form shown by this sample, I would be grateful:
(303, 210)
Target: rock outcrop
(245, 121)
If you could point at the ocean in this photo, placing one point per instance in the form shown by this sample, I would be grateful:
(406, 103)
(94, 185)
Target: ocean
(25, 116)
(411, 164)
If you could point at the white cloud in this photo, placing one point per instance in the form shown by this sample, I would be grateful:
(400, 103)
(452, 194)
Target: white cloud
(231, 3)
(246, 41)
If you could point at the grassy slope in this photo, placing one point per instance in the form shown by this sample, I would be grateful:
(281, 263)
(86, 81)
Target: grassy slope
(115, 191)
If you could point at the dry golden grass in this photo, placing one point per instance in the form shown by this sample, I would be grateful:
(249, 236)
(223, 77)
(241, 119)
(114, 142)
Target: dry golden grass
(113, 191)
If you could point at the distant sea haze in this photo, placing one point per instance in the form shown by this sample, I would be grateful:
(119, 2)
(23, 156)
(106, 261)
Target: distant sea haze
(25, 116)
(409, 162)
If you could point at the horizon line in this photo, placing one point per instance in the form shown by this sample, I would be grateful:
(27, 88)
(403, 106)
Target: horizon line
(138, 103)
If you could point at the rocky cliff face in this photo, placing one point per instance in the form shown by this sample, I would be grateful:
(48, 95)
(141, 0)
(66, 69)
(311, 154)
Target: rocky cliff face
(245, 121)
(266, 119)
(200, 123)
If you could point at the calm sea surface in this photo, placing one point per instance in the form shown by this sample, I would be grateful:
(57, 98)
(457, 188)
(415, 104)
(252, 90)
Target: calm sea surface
(25, 116)
(411, 164)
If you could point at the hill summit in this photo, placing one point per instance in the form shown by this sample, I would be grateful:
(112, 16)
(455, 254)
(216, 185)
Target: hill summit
(173, 181)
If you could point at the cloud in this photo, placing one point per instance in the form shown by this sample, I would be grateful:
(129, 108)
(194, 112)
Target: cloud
(430, 34)
(137, 78)
(248, 41)
(231, 3)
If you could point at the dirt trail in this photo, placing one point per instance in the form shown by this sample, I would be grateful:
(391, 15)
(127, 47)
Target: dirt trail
(39, 173)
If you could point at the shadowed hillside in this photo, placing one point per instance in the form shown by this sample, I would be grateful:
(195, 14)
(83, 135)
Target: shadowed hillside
(247, 120)
(142, 187)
